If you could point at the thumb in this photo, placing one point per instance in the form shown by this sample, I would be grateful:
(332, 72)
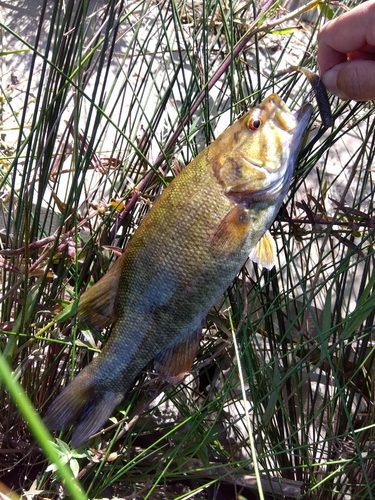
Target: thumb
(352, 80)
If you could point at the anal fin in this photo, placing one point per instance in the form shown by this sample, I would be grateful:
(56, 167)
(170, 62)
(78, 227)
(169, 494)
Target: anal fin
(174, 362)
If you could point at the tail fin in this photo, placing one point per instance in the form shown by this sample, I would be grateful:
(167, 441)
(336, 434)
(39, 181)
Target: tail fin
(81, 404)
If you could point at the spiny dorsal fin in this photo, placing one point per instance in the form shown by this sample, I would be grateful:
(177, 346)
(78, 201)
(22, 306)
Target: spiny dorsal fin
(264, 252)
(96, 307)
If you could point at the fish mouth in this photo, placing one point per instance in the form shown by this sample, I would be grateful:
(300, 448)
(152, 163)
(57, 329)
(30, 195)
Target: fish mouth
(281, 183)
(288, 121)
(302, 115)
(295, 124)
(297, 133)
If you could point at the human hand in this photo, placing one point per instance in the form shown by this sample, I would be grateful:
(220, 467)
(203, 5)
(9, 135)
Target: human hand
(346, 53)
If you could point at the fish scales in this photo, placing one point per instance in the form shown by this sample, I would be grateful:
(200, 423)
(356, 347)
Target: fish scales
(186, 252)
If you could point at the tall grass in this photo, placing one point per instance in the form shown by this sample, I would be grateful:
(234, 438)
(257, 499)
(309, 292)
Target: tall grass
(117, 97)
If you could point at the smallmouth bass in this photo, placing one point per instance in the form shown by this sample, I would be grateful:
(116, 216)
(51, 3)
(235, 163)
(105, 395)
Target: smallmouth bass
(184, 255)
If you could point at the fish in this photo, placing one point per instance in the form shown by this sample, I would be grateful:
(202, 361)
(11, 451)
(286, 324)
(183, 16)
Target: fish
(212, 217)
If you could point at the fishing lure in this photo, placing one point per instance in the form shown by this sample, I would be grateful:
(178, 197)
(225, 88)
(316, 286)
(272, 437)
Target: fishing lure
(320, 93)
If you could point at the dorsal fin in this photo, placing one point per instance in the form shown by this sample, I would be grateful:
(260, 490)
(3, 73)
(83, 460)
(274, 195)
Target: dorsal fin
(96, 307)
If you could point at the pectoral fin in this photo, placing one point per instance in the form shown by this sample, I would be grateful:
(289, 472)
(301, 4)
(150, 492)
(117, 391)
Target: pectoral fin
(96, 307)
(264, 253)
(174, 362)
(230, 233)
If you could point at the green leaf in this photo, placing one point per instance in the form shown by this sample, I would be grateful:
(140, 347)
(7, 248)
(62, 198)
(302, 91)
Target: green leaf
(68, 312)
(326, 10)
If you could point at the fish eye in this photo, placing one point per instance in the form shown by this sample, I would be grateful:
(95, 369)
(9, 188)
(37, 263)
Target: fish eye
(254, 123)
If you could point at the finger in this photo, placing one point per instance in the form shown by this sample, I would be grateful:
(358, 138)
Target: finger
(352, 80)
(348, 33)
(367, 53)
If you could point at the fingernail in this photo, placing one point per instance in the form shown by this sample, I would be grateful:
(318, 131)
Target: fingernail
(330, 81)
